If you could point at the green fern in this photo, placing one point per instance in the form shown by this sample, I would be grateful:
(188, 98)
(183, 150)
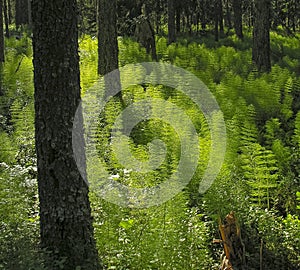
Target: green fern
(261, 172)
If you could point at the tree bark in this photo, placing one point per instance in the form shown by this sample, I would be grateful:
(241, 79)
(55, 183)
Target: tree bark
(238, 21)
(65, 214)
(171, 22)
(2, 58)
(261, 35)
(107, 36)
(6, 19)
(21, 10)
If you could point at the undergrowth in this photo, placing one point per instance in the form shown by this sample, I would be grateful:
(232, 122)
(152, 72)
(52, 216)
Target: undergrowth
(259, 179)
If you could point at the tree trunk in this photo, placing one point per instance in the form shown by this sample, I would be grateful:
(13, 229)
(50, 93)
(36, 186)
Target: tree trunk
(217, 18)
(228, 15)
(6, 19)
(21, 10)
(107, 36)
(2, 59)
(203, 19)
(178, 13)
(65, 214)
(261, 35)
(221, 17)
(238, 21)
(29, 18)
(171, 22)
(9, 11)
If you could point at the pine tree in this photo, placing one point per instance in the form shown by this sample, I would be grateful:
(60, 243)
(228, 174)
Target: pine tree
(65, 214)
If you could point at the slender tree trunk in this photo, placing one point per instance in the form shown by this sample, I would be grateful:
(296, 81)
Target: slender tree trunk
(228, 15)
(157, 17)
(217, 18)
(6, 19)
(221, 17)
(108, 41)
(65, 214)
(171, 22)
(238, 21)
(107, 36)
(203, 15)
(178, 13)
(2, 58)
(9, 13)
(261, 35)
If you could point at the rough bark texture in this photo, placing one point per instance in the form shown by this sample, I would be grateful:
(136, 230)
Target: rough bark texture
(21, 10)
(233, 245)
(65, 215)
(171, 22)
(238, 22)
(107, 36)
(1, 33)
(261, 35)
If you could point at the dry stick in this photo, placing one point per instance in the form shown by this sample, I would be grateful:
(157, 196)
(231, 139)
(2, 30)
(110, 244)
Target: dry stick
(17, 69)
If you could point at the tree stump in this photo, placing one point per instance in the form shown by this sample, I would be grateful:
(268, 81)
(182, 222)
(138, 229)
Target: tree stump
(234, 249)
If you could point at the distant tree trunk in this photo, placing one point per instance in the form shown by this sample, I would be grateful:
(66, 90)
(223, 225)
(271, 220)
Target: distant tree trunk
(171, 22)
(238, 21)
(221, 17)
(108, 51)
(261, 35)
(202, 11)
(157, 17)
(107, 36)
(6, 19)
(178, 13)
(217, 18)
(9, 13)
(2, 59)
(228, 15)
(65, 214)
(21, 10)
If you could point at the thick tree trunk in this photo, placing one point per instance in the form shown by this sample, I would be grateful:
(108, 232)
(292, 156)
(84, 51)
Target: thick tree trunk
(238, 21)
(65, 214)
(107, 36)
(171, 22)
(21, 10)
(261, 35)
(2, 59)
(6, 19)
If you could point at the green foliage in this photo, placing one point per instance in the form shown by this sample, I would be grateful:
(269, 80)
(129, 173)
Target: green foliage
(260, 169)
(298, 199)
(153, 238)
